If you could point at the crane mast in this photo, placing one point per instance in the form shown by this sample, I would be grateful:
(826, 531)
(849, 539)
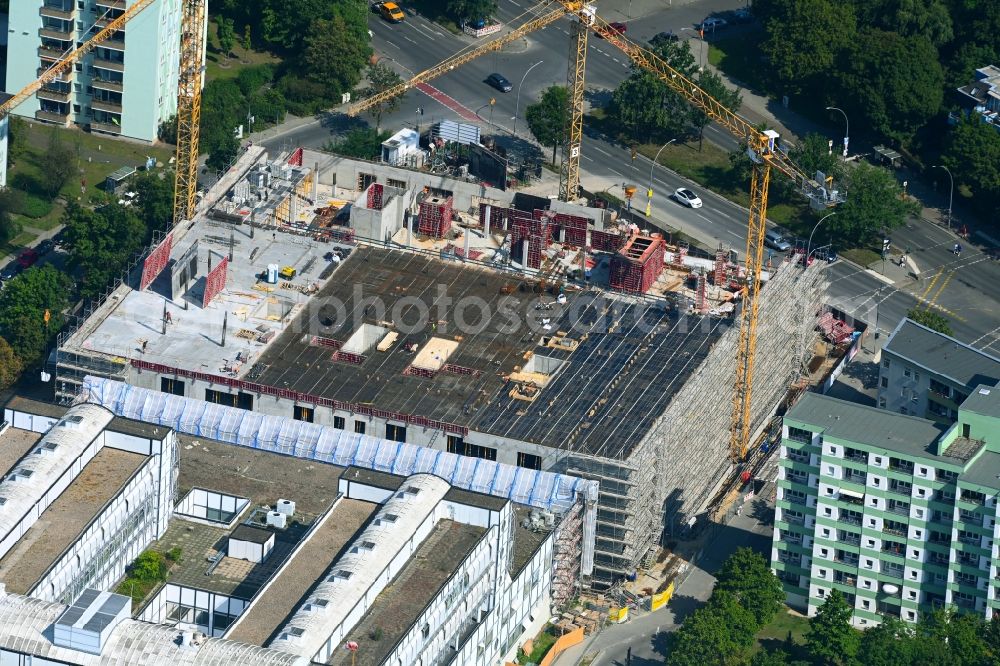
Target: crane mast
(569, 172)
(189, 85)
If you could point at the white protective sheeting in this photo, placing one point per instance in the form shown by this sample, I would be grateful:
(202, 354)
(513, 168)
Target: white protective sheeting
(543, 490)
(348, 581)
(35, 473)
(25, 626)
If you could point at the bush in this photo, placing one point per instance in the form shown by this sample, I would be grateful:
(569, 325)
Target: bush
(150, 567)
(252, 79)
(34, 207)
(174, 554)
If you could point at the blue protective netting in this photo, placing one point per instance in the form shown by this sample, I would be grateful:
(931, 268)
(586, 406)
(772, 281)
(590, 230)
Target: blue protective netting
(543, 490)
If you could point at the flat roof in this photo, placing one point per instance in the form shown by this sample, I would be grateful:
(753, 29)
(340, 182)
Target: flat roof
(138, 428)
(985, 471)
(585, 407)
(399, 605)
(263, 478)
(871, 426)
(287, 592)
(193, 337)
(22, 404)
(14, 443)
(984, 400)
(251, 534)
(64, 520)
(526, 542)
(943, 355)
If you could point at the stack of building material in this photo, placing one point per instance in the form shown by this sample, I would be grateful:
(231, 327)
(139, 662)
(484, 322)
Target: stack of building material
(637, 265)
(834, 330)
(435, 216)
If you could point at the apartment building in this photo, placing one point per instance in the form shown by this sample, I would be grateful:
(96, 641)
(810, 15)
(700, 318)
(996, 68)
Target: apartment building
(928, 374)
(899, 513)
(125, 87)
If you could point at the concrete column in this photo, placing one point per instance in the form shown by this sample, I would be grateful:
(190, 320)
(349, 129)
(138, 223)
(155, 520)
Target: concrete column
(486, 220)
(467, 233)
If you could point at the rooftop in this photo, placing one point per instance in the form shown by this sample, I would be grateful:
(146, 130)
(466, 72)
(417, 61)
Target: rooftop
(399, 605)
(65, 519)
(870, 426)
(985, 401)
(118, 424)
(526, 541)
(583, 404)
(263, 478)
(943, 355)
(287, 592)
(985, 471)
(14, 443)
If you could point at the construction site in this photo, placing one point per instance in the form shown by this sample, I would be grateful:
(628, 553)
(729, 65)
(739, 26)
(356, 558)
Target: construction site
(503, 327)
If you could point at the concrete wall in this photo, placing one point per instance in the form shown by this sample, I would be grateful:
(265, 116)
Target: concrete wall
(344, 172)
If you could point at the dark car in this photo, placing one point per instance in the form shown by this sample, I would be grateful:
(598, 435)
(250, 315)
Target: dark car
(500, 82)
(46, 246)
(11, 271)
(27, 258)
(827, 254)
(664, 37)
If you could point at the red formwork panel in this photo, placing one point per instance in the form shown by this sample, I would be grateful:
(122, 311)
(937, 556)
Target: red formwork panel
(374, 196)
(295, 159)
(637, 265)
(537, 231)
(570, 229)
(606, 241)
(719, 274)
(435, 217)
(156, 262)
(215, 282)
(499, 217)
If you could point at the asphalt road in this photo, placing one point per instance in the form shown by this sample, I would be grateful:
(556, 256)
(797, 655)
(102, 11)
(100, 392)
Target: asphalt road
(961, 288)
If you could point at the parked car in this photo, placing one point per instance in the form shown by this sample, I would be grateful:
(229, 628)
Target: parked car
(46, 246)
(391, 12)
(12, 270)
(713, 23)
(500, 82)
(665, 36)
(685, 196)
(827, 254)
(27, 258)
(776, 240)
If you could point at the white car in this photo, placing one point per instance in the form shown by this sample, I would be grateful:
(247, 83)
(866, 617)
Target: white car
(687, 197)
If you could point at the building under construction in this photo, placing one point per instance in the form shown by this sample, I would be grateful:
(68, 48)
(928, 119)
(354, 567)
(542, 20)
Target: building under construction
(492, 331)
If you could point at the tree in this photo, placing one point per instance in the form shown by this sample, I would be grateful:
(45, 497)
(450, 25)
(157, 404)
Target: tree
(888, 644)
(60, 163)
(831, 640)
(770, 658)
(548, 117)
(154, 198)
(930, 319)
(10, 203)
(167, 132)
(10, 365)
(722, 632)
(972, 152)
(712, 83)
(23, 303)
(804, 39)
(646, 109)
(101, 242)
(363, 142)
(813, 154)
(382, 77)
(223, 148)
(247, 43)
(875, 203)
(334, 56)
(472, 10)
(929, 18)
(747, 576)
(226, 34)
(894, 83)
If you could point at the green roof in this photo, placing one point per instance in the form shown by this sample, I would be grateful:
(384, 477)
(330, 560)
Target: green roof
(869, 426)
(985, 471)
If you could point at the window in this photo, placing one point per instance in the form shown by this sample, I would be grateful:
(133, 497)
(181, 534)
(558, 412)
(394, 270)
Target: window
(907, 372)
(359, 427)
(425, 632)
(171, 386)
(241, 399)
(885, 382)
(395, 433)
(881, 402)
(529, 460)
(303, 413)
(885, 363)
(456, 445)
(339, 422)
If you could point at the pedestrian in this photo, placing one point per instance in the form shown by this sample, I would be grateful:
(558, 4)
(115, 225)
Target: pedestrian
(628, 656)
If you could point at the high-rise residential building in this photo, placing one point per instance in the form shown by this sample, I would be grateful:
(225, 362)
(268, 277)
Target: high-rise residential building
(928, 374)
(897, 512)
(125, 87)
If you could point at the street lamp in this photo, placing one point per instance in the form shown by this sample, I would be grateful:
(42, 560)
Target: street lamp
(847, 127)
(951, 194)
(809, 242)
(649, 190)
(517, 103)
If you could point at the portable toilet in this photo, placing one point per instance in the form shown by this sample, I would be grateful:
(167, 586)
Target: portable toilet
(272, 273)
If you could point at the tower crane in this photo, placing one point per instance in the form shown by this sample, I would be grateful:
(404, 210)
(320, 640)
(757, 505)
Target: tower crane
(188, 95)
(762, 148)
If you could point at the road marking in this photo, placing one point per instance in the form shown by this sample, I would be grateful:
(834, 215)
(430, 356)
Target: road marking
(943, 285)
(937, 277)
(616, 60)
(705, 218)
(602, 152)
(616, 173)
(407, 38)
(391, 44)
(986, 335)
(586, 157)
(514, 3)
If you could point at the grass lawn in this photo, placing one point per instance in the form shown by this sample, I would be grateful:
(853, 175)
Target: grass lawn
(217, 67)
(862, 256)
(775, 634)
(16, 244)
(740, 58)
(98, 156)
(541, 645)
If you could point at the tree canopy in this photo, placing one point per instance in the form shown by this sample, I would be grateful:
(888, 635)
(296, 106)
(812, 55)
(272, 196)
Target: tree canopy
(362, 142)
(10, 365)
(875, 203)
(23, 303)
(382, 77)
(747, 576)
(930, 319)
(548, 117)
(101, 242)
(972, 152)
(831, 639)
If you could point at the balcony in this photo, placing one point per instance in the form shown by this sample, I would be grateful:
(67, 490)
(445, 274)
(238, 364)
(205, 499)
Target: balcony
(56, 33)
(857, 456)
(970, 540)
(113, 65)
(66, 12)
(54, 94)
(794, 520)
(894, 531)
(850, 520)
(110, 107)
(110, 4)
(66, 75)
(849, 561)
(896, 550)
(50, 53)
(891, 572)
(798, 456)
(900, 489)
(795, 499)
(900, 509)
(849, 539)
(108, 128)
(859, 478)
(901, 466)
(52, 117)
(113, 86)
